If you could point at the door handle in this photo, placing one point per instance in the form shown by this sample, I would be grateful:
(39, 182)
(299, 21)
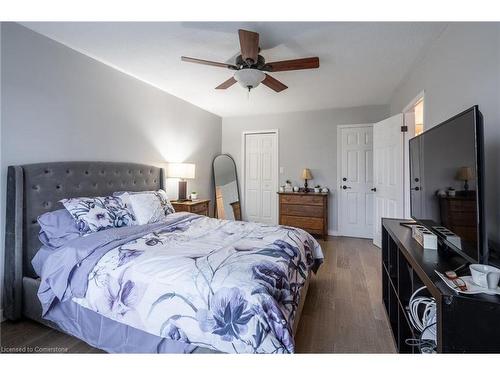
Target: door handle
(415, 188)
(373, 189)
(346, 187)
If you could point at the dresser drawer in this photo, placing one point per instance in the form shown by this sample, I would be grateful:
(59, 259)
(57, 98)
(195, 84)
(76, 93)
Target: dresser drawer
(307, 211)
(302, 199)
(196, 207)
(462, 206)
(201, 209)
(467, 219)
(308, 223)
(302, 210)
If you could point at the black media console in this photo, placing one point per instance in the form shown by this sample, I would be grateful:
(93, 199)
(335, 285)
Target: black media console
(465, 323)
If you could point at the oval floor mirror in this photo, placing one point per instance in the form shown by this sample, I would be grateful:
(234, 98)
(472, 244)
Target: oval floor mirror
(227, 196)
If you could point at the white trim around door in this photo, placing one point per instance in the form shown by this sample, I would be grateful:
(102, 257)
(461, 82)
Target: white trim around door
(343, 229)
(409, 122)
(275, 167)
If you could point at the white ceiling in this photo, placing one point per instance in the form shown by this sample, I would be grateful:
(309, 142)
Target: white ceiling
(360, 63)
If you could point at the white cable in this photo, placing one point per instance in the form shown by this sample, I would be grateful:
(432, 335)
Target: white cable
(420, 323)
(426, 324)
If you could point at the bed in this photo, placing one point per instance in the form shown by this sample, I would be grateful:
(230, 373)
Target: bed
(189, 284)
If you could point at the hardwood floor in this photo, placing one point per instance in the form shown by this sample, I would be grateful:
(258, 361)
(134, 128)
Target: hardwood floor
(28, 336)
(343, 312)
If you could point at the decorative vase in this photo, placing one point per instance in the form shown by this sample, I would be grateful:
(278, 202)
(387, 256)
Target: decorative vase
(194, 195)
(324, 190)
(441, 193)
(317, 190)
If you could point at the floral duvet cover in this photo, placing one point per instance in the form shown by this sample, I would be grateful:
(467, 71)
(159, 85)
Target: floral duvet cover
(225, 285)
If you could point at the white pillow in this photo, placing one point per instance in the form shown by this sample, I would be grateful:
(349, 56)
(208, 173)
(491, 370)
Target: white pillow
(148, 207)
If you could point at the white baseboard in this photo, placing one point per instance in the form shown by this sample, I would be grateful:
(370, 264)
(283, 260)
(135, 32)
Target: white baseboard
(336, 233)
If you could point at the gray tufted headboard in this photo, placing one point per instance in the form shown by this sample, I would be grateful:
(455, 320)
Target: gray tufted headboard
(34, 189)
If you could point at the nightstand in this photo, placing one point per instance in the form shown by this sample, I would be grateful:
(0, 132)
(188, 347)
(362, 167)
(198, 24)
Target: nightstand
(197, 206)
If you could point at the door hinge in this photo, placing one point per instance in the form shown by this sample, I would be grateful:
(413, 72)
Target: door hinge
(404, 129)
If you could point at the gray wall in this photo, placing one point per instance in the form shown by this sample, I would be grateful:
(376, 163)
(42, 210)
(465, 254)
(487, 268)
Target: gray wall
(306, 140)
(61, 105)
(461, 69)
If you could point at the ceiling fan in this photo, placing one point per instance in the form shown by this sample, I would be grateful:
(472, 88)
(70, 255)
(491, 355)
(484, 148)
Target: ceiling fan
(250, 67)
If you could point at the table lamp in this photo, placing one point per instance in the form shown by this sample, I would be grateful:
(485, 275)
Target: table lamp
(183, 171)
(306, 175)
(465, 174)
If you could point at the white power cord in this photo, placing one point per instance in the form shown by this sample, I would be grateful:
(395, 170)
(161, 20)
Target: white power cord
(418, 322)
(425, 324)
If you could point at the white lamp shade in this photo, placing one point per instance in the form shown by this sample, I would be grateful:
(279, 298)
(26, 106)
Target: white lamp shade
(180, 170)
(465, 174)
(249, 78)
(306, 174)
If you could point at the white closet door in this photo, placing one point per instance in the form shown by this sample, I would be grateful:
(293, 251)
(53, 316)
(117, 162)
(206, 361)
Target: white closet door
(356, 196)
(252, 177)
(388, 172)
(261, 177)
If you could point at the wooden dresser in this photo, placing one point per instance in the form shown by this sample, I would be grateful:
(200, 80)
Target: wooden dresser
(308, 211)
(459, 214)
(197, 206)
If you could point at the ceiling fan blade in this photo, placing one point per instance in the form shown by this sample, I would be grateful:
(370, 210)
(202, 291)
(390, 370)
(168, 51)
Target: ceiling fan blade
(207, 62)
(224, 85)
(249, 42)
(274, 84)
(297, 64)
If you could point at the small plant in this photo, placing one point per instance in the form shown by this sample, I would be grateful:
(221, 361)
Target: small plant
(317, 187)
(194, 192)
(288, 182)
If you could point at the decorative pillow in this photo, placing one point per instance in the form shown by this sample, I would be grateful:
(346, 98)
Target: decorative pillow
(165, 202)
(57, 228)
(98, 213)
(147, 206)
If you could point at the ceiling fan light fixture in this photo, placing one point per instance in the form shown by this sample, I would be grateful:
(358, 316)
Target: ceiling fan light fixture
(250, 65)
(249, 78)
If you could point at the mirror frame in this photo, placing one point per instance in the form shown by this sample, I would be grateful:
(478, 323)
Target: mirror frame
(215, 184)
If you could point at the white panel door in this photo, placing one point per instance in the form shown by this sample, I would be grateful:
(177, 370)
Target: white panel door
(252, 177)
(261, 178)
(356, 196)
(388, 170)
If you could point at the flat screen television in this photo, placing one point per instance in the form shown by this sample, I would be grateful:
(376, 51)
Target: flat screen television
(447, 183)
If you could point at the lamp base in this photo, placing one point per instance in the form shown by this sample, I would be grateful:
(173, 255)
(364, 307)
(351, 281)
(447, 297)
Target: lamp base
(182, 195)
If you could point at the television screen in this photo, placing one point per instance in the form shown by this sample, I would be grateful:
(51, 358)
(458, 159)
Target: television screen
(446, 183)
